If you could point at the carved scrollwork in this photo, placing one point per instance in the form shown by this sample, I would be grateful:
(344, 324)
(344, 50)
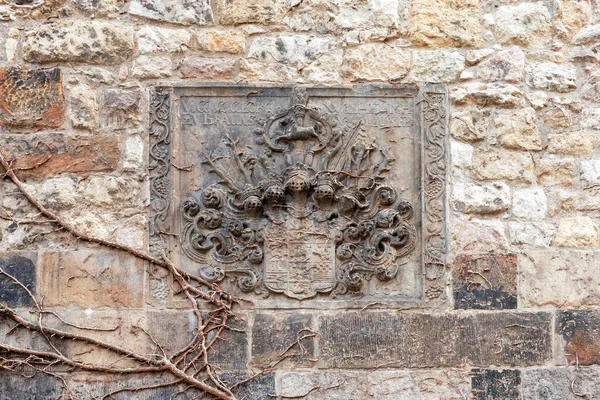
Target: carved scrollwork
(304, 211)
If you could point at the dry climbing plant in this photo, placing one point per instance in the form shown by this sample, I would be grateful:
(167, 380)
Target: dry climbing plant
(189, 367)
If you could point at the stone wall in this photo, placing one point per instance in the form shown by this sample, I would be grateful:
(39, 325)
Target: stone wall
(524, 205)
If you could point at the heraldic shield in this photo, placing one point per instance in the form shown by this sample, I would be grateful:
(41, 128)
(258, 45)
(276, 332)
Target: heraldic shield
(297, 205)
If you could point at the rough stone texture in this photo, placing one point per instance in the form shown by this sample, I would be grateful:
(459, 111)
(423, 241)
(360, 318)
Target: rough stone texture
(31, 97)
(487, 282)
(376, 62)
(557, 117)
(506, 65)
(38, 386)
(83, 107)
(483, 236)
(120, 108)
(481, 199)
(564, 278)
(590, 173)
(295, 50)
(272, 335)
(551, 76)
(148, 67)
(444, 23)
(532, 234)
(502, 164)
(232, 351)
(590, 118)
(580, 333)
(422, 340)
(206, 68)
(587, 35)
(561, 383)
(529, 203)
(221, 41)
(491, 384)
(504, 95)
(174, 11)
(82, 41)
(436, 66)
(470, 125)
(21, 266)
(555, 172)
(234, 12)
(527, 24)
(91, 279)
(152, 39)
(577, 232)
(53, 153)
(518, 129)
(462, 156)
(381, 385)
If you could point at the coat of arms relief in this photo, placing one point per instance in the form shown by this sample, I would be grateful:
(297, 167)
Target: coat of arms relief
(304, 209)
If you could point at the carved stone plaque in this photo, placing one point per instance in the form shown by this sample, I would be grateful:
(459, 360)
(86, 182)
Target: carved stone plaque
(311, 194)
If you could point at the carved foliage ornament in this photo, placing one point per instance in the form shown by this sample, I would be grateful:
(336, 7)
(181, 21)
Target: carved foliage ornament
(305, 211)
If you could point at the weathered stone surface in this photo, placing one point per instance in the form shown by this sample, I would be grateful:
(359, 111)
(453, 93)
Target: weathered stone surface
(425, 340)
(444, 23)
(473, 57)
(133, 154)
(53, 153)
(223, 41)
(491, 384)
(557, 117)
(575, 15)
(91, 279)
(580, 332)
(503, 164)
(100, 8)
(587, 35)
(39, 386)
(234, 12)
(504, 95)
(84, 108)
(174, 11)
(480, 199)
(153, 39)
(530, 203)
(590, 173)
(487, 282)
(78, 41)
(506, 65)
(31, 97)
(266, 72)
(518, 129)
(259, 387)
(551, 76)
(206, 68)
(566, 278)
(381, 15)
(325, 69)
(230, 352)
(555, 172)
(560, 383)
(470, 125)
(22, 267)
(531, 234)
(579, 231)
(295, 50)
(381, 385)
(462, 155)
(376, 62)
(588, 200)
(110, 191)
(436, 66)
(148, 67)
(120, 108)
(581, 142)
(483, 236)
(524, 24)
(273, 334)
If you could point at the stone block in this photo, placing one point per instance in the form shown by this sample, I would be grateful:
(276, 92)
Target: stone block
(580, 334)
(527, 24)
(461, 155)
(487, 282)
(555, 172)
(590, 174)
(486, 94)
(84, 107)
(479, 236)
(579, 231)
(470, 125)
(506, 65)
(95, 386)
(207, 68)
(91, 279)
(376, 62)
(21, 266)
(91, 42)
(380, 385)
(230, 352)
(570, 383)
(174, 11)
(529, 203)
(518, 129)
(14, 386)
(234, 12)
(227, 41)
(436, 66)
(148, 67)
(297, 51)
(493, 164)
(154, 39)
(492, 384)
(551, 76)
(259, 387)
(559, 278)
(445, 23)
(280, 335)
(531, 234)
(120, 108)
(44, 154)
(31, 97)
(415, 340)
(480, 199)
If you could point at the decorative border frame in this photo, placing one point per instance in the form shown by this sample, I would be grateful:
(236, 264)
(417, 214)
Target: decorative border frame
(433, 118)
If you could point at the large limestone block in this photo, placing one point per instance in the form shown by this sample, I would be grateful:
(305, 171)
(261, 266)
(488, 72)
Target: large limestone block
(524, 24)
(579, 231)
(174, 11)
(518, 129)
(376, 62)
(493, 164)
